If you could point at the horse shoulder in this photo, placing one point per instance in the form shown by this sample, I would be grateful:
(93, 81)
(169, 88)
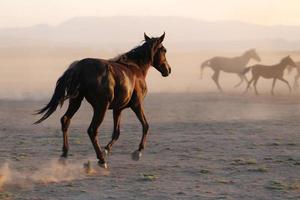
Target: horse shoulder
(139, 93)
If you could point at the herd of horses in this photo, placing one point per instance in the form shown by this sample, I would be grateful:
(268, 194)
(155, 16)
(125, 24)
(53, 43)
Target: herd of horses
(120, 83)
(237, 65)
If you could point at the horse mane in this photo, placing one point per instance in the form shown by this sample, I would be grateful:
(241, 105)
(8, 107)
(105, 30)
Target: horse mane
(139, 55)
(248, 51)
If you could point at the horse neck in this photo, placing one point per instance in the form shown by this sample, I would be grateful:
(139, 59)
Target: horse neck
(282, 65)
(244, 59)
(142, 67)
(142, 63)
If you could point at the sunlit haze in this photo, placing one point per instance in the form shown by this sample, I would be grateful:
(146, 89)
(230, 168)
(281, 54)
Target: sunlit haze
(16, 13)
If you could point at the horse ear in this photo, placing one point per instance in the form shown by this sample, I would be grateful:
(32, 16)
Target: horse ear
(161, 38)
(146, 37)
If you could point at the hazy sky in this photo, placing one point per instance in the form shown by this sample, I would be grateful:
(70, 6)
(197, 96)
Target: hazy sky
(268, 12)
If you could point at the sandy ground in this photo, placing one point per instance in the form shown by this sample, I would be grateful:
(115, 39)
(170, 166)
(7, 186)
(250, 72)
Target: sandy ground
(201, 146)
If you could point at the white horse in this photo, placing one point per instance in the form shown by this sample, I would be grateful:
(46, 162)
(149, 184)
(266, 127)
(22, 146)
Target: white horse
(231, 65)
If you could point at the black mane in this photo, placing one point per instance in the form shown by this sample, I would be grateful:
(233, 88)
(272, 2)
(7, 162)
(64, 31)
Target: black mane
(140, 55)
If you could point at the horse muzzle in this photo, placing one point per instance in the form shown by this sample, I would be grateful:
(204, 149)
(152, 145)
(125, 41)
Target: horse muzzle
(166, 69)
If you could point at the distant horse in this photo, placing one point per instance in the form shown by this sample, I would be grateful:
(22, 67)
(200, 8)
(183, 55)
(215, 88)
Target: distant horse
(114, 84)
(231, 65)
(296, 84)
(274, 71)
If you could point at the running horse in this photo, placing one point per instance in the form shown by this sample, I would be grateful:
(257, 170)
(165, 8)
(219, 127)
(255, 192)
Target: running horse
(296, 78)
(115, 84)
(231, 65)
(270, 72)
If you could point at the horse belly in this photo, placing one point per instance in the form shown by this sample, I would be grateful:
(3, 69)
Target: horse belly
(232, 70)
(268, 74)
(226, 65)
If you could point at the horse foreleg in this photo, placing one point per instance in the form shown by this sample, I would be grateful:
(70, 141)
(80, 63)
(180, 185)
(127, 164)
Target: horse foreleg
(116, 131)
(241, 81)
(254, 84)
(245, 78)
(139, 111)
(73, 107)
(249, 83)
(215, 77)
(273, 85)
(98, 116)
(296, 84)
(283, 80)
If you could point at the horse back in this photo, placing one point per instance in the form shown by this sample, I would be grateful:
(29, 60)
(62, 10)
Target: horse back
(95, 79)
(267, 71)
(227, 64)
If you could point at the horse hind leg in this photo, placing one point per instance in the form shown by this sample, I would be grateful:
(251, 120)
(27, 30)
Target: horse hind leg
(215, 77)
(65, 120)
(273, 85)
(241, 81)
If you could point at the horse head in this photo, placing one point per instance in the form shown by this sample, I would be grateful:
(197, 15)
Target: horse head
(289, 62)
(252, 54)
(158, 55)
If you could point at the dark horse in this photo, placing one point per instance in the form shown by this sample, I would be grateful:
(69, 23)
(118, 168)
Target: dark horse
(115, 84)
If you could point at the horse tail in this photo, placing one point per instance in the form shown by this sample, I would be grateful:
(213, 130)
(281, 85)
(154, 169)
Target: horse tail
(67, 86)
(204, 64)
(246, 70)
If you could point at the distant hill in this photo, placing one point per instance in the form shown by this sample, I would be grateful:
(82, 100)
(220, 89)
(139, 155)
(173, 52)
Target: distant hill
(121, 32)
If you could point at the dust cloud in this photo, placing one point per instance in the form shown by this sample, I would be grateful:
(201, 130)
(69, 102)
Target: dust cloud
(33, 74)
(54, 171)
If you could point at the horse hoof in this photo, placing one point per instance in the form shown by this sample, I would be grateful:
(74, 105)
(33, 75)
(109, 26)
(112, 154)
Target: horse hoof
(87, 167)
(62, 160)
(103, 165)
(136, 155)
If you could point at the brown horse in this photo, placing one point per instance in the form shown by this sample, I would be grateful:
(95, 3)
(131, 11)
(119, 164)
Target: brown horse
(114, 84)
(296, 78)
(274, 71)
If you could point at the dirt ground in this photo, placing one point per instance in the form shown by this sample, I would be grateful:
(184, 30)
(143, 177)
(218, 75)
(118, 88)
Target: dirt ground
(201, 146)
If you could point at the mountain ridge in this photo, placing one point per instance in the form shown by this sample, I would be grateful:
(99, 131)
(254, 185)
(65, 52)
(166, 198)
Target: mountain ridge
(119, 32)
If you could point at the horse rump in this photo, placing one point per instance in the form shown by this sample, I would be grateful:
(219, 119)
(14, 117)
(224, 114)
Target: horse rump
(67, 86)
(204, 64)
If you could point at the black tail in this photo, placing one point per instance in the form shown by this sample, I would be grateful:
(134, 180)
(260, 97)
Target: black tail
(66, 87)
(247, 69)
